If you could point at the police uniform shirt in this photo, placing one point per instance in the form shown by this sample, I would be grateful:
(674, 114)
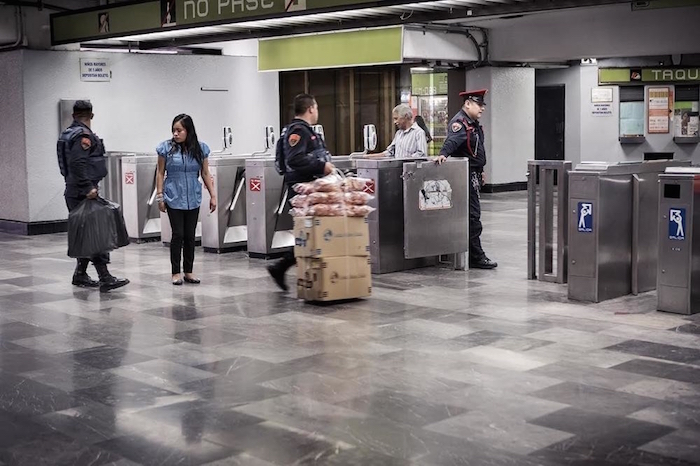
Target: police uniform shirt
(465, 138)
(305, 152)
(86, 164)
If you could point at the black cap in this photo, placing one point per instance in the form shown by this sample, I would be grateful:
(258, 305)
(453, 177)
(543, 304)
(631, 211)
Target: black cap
(82, 106)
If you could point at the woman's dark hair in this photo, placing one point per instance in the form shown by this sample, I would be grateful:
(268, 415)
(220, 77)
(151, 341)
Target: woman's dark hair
(424, 127)
(191, 145)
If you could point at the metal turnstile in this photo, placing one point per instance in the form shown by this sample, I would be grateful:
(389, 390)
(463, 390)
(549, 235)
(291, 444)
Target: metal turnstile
(111, 185)
(225, 229)
(678, 278)
(608, 238)
(267, 210)
(412, 197)
(141, 214)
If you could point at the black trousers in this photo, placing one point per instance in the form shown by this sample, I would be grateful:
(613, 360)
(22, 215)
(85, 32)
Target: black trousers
(102, 259)
(476, 253)
(184, 225)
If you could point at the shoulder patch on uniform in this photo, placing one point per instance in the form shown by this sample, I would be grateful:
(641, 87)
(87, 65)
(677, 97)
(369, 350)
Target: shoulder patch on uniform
(294, 139)
(456, 127)
(85, 143)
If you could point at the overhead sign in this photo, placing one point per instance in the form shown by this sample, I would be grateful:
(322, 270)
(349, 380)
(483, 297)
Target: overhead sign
(117, 20)
(95, 69)
(647, 75)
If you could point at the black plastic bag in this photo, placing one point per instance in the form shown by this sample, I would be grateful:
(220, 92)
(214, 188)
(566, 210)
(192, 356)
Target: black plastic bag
(95, 227)
(119, 225)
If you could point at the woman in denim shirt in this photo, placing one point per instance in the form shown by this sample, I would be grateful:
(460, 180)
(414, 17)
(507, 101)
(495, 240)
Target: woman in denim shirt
(183, 158)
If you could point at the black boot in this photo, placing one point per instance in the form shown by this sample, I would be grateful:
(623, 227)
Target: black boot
(80, 276)
(278, 270)
(107, 280)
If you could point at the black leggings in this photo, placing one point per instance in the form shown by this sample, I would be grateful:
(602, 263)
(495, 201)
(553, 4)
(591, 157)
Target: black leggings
(184, 225)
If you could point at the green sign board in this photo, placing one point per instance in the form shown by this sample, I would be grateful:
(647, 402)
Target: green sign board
(332, 50)
(429, 83)
(118, 20)
(648, 75)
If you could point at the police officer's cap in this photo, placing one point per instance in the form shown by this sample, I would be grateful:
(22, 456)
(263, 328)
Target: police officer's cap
(475, 96)
(82, 106)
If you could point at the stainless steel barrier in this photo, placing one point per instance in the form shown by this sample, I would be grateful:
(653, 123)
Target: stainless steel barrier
(678, 278)
(141, 214)
(111, 185)
(412, 197)
(225, 229)
(540, 228)
(602, 224)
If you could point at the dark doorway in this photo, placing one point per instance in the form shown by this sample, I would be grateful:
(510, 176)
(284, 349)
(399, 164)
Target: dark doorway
(549, 122)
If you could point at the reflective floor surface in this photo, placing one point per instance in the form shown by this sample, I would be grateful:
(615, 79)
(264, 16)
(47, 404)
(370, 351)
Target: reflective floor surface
(437, 368)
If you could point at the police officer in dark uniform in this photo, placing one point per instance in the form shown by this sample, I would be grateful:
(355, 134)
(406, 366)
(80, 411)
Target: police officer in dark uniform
(81, 158)
(301, 156)
(465, 138)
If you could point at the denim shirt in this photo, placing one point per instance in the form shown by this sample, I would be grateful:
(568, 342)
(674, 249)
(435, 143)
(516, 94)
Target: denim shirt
(182, 189)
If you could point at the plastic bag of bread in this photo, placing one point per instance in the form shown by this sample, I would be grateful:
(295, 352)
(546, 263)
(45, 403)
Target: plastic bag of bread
(358, 197)
(326, 210)
(301, 200)
(303, 188)
(357, 184)
(299, 212)
(358, 210)
(329, 183)
(325, 198)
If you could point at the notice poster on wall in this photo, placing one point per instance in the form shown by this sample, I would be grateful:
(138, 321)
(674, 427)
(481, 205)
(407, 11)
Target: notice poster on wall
(658, 106)
(686, 119)
(631, 119)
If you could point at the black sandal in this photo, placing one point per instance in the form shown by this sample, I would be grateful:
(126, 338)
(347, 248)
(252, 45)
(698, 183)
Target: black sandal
(195, 281)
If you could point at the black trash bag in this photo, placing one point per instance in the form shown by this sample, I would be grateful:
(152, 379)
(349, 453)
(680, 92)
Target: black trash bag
(119, 225)
(91, 229)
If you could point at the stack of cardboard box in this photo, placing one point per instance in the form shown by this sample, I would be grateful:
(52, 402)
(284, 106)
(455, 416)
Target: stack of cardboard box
(332, 258)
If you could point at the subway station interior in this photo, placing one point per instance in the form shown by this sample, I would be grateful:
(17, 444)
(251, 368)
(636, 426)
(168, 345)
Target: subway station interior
(582, 347)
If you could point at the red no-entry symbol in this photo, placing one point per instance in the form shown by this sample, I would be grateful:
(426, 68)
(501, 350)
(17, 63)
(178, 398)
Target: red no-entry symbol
(369, 187)
(129, 178)
(255, 184)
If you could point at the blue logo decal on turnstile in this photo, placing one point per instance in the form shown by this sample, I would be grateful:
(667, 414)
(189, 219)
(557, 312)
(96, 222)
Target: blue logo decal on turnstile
(585, 217)
(676, 224)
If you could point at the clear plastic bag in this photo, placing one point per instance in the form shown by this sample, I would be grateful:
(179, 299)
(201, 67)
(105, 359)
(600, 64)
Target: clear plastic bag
(357, 184)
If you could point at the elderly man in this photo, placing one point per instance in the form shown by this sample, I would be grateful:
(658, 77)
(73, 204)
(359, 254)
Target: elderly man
(410, 140)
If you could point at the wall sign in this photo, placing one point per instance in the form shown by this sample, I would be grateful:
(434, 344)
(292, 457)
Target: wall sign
(602, 110)
(95, 69)
(648, 75)
(658, 109)
(601, 94)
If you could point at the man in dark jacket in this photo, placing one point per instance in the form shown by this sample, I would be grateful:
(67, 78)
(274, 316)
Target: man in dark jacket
(81, 158)
(305, 158)
(465, 138)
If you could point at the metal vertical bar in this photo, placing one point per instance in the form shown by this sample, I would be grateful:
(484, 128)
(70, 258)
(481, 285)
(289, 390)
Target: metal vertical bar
(563, 223)
(635, 234)
(548, 207)
(531, 220)
(544, 207)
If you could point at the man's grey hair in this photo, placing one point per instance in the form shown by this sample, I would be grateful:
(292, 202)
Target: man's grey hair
(403, 110)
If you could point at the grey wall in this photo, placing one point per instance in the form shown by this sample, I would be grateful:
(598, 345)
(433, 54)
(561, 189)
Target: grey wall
(602, 31)
(14, 195)
(571, 79)
(596, 138)
(134, 111)
(509, 120)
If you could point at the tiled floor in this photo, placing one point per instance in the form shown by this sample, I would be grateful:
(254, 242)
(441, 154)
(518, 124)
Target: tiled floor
(437, 368)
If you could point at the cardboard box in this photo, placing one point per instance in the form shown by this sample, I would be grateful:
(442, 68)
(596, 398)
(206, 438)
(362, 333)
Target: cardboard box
(331, 236)
(333, 278)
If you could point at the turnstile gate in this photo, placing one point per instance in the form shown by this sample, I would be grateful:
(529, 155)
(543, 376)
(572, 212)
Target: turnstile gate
(111, 185)
(607, 237)
(225, 229)
(678, 278)
(141, 214)
(413, 197)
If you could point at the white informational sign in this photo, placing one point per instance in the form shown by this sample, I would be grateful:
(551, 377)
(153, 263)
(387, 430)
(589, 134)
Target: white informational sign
(95, 69)
(601, 94)
(602, 110)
